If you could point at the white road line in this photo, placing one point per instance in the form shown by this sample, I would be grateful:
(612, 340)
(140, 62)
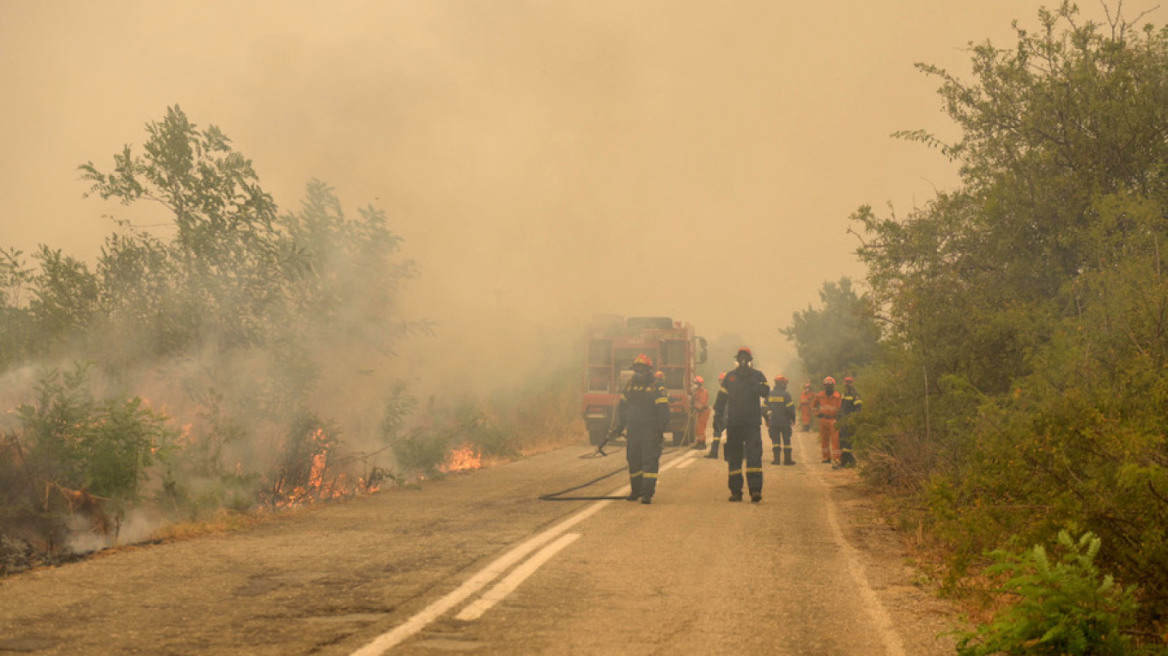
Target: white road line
(478, 581)
(512, 580)
(687, 459)
(684, 460)
(893, 646)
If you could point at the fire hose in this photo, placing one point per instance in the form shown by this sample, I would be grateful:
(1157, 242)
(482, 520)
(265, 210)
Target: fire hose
(607, 436)
(558, 496)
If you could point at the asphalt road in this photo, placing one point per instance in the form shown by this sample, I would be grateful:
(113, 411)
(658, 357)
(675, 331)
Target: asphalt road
(478, 563)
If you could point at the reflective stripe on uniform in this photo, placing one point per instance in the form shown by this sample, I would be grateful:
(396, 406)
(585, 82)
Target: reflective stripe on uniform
(635, 474)
(662, 400)
(735, 472)
(754, 470)
(650, 474)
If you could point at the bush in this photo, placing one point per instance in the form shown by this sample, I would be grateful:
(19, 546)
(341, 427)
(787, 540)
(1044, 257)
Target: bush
(1062, 608)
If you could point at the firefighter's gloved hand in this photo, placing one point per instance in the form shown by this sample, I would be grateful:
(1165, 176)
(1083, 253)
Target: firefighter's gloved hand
(660, 438)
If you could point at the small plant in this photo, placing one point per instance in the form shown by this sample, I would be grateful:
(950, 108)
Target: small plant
(1063, 607)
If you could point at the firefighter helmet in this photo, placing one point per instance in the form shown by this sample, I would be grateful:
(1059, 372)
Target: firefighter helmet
(643, 359)
(746, 351)
(829, 381)
(698, 380)
(659, 375)
(807, 385)
(780, 378)
(848, 380)
(722, 376)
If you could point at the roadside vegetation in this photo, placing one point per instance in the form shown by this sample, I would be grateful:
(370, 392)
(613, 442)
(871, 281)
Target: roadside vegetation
(233, 358)
(1015, 401)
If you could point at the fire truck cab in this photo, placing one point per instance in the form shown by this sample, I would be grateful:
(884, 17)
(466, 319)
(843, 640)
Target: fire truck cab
(612, 344)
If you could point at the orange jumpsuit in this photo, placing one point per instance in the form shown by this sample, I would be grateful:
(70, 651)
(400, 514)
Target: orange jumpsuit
(701, 405)
(805, 408)
(826, 408)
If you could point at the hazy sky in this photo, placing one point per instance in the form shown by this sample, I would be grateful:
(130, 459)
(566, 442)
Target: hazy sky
(543, 160)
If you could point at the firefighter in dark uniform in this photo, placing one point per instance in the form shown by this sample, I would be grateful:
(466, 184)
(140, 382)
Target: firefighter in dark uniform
(781, 421)
(849, 405)
(644, 411)
(738, 409)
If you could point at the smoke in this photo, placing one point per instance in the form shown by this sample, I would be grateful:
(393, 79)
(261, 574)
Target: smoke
(542, 162)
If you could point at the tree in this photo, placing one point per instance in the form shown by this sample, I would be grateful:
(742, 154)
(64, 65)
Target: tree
(838, 339)
(1026, 311)
(17, 337)
(225, 255)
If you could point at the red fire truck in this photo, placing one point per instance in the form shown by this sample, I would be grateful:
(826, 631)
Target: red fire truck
(612, 344)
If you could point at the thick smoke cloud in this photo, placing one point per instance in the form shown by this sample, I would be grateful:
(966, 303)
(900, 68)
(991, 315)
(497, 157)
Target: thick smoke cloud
(544, 161)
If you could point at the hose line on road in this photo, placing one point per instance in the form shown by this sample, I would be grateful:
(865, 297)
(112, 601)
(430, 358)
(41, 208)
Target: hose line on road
(557, 496)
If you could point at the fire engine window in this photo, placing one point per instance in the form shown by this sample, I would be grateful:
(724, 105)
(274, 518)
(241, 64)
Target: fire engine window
(599, 379)
(600, 352)
(673, 352)
(675, 378)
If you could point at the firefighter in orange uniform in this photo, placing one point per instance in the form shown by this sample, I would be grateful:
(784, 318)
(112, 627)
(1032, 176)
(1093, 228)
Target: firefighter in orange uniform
(644, 411)
(717, 433)
(701, 408)
(826, 406)
(738, 410)
(805, 400)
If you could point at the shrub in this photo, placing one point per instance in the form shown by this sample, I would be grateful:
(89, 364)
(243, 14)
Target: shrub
(1064, 606)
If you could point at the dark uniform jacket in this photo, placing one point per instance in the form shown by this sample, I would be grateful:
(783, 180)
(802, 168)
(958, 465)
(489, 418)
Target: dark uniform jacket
(851, 403)
(643, 409)
(781, 406)
(738, 398)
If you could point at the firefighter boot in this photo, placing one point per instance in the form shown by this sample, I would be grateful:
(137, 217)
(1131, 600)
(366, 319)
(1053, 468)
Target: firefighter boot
(778, 451)
(635, 484)
(787, 460)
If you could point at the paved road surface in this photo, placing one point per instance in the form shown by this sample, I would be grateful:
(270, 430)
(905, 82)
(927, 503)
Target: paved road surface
(477, 563)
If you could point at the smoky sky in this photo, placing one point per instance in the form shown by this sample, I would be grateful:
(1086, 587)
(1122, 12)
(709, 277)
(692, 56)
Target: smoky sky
(544, 161)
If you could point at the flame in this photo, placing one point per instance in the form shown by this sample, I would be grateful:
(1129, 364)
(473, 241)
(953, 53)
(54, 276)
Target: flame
(322, 483)
(462, 459)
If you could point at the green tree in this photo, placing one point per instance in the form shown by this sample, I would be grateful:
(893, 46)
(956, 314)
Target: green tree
(839, 338)
(1025, 334)
(345, 274)
(226, 250)
(64, 297)
(17, 336)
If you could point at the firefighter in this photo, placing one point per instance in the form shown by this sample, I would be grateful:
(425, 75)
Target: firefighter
(717, 433)
(850, 404)
(805, 400)
(701, 410)
(826, 408)
(644, 411)
(781, 421)
(738, 410)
